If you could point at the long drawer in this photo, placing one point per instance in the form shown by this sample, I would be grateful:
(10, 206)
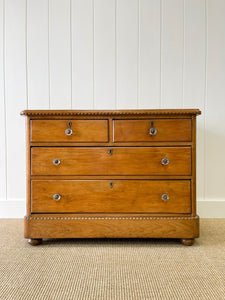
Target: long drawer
(124, 196)
(152, 130)
(69, 131)
(111, 161)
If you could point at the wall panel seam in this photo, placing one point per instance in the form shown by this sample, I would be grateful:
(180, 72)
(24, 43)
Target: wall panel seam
(184, 52)
(71, 58)
(138, 55)
(93, 63)
(116, 96)
(205, 97)
(49, 81)
(4, 94)
(160, 60)
(26, 59)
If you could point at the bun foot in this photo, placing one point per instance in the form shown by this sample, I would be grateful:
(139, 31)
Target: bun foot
(34, 242)
(187, 242)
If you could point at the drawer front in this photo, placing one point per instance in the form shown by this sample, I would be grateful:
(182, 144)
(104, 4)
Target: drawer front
(116, 196)
(161, 130)
(62, 131)
(111, 161)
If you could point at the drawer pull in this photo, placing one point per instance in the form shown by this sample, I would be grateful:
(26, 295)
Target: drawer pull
(56, 161)
(165, 161)
(56, 197)
(152, 131)
(165, 197)
(68, 131)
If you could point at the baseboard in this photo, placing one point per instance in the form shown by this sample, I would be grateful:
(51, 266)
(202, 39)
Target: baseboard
(12, 209)
(205, 209)
(211, 209)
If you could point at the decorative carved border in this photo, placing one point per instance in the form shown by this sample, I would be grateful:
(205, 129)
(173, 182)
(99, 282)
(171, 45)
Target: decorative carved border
(110, 218)
(110, 113)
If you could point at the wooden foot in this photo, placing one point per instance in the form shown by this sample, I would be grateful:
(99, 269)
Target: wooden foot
(187, 242)
(34, 242)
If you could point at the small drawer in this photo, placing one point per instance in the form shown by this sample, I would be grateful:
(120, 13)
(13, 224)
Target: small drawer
(111, 161)
(111, 196)
(152, 130)
(69, 131)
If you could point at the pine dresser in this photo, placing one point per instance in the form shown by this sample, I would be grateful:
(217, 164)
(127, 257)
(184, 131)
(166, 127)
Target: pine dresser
(117, 174)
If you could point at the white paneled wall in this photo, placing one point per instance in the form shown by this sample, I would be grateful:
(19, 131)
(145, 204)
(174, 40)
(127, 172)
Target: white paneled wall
(149, 54)
(15, 90)
(82, 46)
(37, 54)
(113, 54)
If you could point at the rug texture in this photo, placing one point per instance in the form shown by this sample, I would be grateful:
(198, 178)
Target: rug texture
(112, 269)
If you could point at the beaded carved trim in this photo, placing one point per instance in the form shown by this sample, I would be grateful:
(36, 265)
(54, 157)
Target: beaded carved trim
(110, 113)
(110, 218)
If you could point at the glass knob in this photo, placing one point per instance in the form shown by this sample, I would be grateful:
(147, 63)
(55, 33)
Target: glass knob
(165, 197)
(165, 161)
(152, 131)
(56, 161)
(57, 197)
(68, 131)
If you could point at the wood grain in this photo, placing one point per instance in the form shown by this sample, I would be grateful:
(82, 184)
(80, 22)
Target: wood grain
(94, 196)
(28, 167)
(111, 187)
(117, 228)
(193, 155)
(122, 161)
(83, 131)
(138, 130)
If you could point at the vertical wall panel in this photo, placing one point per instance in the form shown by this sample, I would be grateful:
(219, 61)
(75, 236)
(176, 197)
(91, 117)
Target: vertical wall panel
(2, 109)
(37, 54)
(149, 61)
(194, 75)
(59, 54)
(127, 53)
(215, 101)
(172, 53)
(82, 54)
(16, 97)
(107, 54)
(104, 54)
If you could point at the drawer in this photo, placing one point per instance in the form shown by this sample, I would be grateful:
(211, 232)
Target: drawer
(116, 196)
(111, 161)
(79, 131)
(158, 130)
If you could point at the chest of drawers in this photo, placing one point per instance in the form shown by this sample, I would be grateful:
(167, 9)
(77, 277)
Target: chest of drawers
(121, 173)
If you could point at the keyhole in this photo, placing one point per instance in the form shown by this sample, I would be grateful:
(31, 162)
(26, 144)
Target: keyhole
(111, 184)
(69, 124)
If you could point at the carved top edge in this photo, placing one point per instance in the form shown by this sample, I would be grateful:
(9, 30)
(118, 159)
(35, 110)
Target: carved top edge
(138, 112)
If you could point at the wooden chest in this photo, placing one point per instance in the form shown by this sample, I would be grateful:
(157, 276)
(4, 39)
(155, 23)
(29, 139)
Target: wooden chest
(121, 173)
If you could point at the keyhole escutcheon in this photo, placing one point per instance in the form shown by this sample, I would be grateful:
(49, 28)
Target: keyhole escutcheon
(110, 151)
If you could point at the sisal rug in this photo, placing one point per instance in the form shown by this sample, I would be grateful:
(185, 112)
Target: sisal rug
(112, 269)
